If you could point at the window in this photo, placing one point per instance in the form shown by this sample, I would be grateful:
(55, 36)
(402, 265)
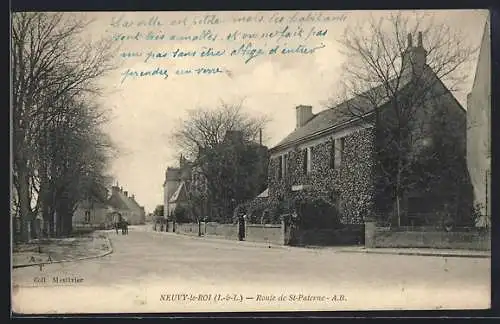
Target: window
(284, 165)
(280, 168)
(332, 154)
(339, 152)
(307, 164)
(87, 216)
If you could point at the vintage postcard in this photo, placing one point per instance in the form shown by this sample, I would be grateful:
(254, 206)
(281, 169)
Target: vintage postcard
(179, 162)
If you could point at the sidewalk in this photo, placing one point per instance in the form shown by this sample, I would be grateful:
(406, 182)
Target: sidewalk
(418, 252)
(340, 249)
(215, 238)
(37, 253)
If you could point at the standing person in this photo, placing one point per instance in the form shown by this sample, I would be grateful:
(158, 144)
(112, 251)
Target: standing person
(125, 226)
(116, 221)
(241, 227)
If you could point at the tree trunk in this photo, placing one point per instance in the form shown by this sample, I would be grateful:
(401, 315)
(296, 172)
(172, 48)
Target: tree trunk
(24, 200)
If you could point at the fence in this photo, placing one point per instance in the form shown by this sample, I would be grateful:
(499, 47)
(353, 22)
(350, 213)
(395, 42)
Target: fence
(426, 237)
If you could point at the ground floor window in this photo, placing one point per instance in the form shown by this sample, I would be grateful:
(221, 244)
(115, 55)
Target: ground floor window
(87, 216)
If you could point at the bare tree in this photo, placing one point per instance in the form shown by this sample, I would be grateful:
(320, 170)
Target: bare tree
(233, 172)
(51, 63)
(206, 127)
(388, 77)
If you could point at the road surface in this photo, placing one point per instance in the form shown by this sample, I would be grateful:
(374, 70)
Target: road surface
(165, 272)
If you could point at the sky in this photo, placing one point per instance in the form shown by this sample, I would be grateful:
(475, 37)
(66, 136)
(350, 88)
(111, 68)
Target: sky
(145, 109)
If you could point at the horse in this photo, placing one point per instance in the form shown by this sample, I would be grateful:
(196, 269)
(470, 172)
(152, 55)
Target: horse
(124, 227)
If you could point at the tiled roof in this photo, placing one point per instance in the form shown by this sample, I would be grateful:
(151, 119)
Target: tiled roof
(344, 112)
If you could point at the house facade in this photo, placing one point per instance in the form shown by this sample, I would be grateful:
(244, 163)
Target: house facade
(217, 199)
(175, 186)
(341, 157)
(94, 209)
(125, 204)
(479, 131)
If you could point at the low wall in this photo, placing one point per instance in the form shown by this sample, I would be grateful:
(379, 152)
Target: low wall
(264, 233)
(187, 228)
(470, 239)
(351, 235)
(253, 232)
(225, 231)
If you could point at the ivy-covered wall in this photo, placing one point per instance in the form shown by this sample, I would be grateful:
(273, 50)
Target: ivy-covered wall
(350, 186)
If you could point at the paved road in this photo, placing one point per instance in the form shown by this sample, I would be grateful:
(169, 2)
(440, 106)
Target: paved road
(146, 268)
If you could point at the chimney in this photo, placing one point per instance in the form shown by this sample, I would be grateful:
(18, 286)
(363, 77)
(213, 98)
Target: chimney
(133, 196)
(304, 114)
(233, 136)
(260, 136)
(414, 57)
(125, 193)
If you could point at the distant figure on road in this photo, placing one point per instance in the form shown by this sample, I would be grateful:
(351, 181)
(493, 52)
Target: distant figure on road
(117, 218)
(241, 227)
(124, 225)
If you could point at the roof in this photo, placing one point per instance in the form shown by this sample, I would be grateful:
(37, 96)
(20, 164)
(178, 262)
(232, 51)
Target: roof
(120, 201)
(178, 193)
(344, 112)
(117, 202)
(264, 194)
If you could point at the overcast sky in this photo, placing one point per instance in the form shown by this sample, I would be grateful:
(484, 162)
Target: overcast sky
(146, 109)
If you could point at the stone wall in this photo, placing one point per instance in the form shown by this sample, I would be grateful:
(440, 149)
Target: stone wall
(253, 232)
(352, 235)
(383, 237)
(264, 233)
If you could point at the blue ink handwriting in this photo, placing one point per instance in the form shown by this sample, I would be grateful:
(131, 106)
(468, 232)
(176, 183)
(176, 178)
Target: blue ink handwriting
(121, 22)
(149, 73)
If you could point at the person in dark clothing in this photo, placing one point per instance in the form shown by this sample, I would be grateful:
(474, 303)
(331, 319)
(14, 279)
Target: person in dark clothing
(241, 227)
(124, 226)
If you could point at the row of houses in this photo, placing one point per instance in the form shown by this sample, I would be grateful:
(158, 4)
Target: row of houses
(100, 205)
(334, 154)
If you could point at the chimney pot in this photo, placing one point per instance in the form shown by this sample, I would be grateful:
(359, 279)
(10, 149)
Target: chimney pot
(125, 193)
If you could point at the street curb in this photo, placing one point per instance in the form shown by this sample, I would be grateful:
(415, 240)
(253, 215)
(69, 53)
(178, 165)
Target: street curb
(223, 240)
(109, 251)
(326, 248)
(438, 254)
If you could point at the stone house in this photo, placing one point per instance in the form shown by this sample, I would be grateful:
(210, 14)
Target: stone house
(126, 205)
(479, 130)
(189, 182)
(336, 155)
(94, 209)
(175, 186)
